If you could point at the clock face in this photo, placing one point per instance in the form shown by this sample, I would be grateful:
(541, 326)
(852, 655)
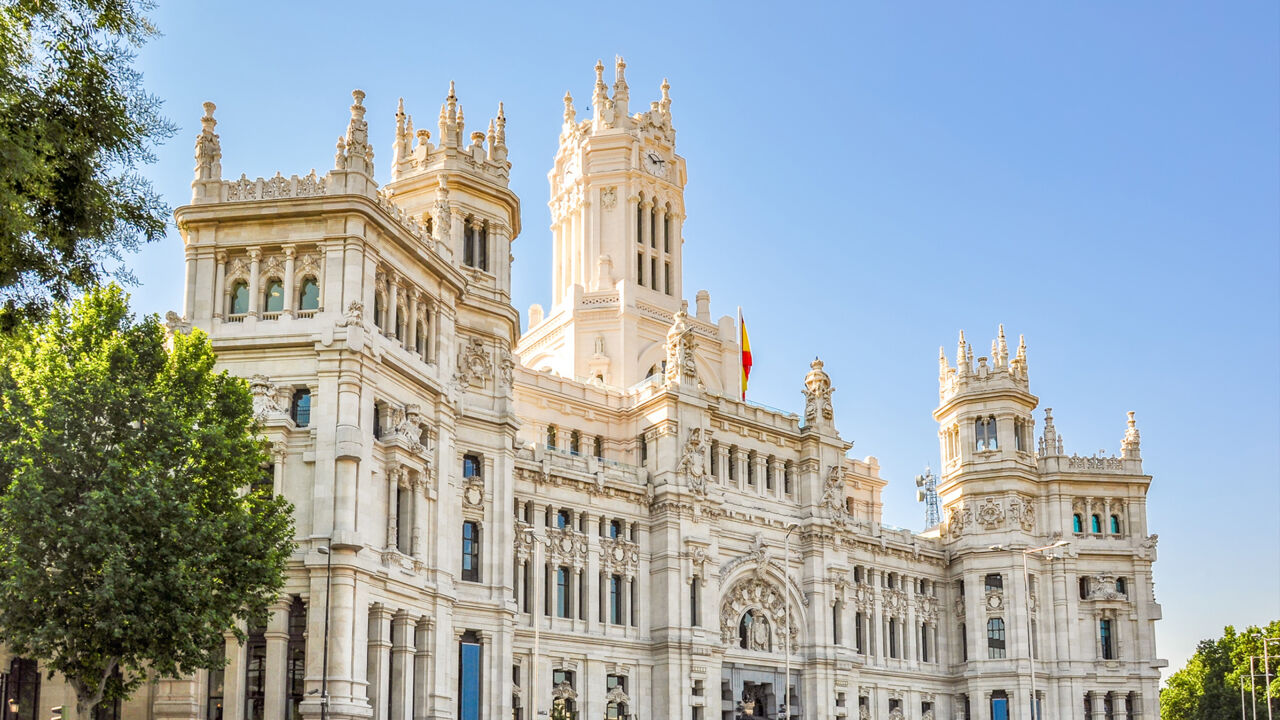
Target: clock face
(654, 163)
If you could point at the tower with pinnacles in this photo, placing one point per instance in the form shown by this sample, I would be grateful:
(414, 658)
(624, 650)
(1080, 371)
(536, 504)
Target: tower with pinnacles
(586, 519)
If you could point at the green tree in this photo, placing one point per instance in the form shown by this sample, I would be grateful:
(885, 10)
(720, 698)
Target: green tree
(75, 125)
(1208, 688)
(135, 526)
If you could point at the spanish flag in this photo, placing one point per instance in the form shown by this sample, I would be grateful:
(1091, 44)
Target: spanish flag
(745, 344)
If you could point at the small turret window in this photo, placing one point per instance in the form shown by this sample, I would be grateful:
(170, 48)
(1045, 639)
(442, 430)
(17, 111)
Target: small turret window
(984, 433)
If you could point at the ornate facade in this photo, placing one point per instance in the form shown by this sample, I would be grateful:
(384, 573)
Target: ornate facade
(491, 522)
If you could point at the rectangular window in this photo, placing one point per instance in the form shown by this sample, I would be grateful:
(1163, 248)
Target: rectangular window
(472, 467)
(999, 706)
(924, 643)
(995, 582)
(1108, 641)
(995, 639)
(213, 698)
(615, 599)
(835, 622)
(964, 644)
(469, 677)
(633, 603)
(667, 284)
(653, 273)
(582, 595)
(859, 633)
(471, 551)
(893, 637)
(562, 592)
(300, 410)
(640, 269)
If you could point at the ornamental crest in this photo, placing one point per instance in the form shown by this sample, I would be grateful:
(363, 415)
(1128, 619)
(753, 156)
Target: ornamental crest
(566, 545)
(474, 365)
(620, 555)
(989, 514)
(693, 460)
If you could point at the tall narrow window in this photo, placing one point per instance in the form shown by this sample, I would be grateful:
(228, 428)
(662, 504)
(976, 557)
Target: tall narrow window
(985, 434)
(632, 604)
(964, 644)
(733, 463)
(22, 686)
(309, 294)
(468, 243)
(615, 599)
(695, 589)
(213, 694)
(1115, 524)
(378, 306)
(296, 660)
(644, 449)
(836, 611)
(859, 633)
(653, 273)
(582, 595)
(666, 285)
(240, 298)
(482, 247)
(995, 638)
(615, 529)
(404, 522)
(551, 437)
(562, 592)
(715, 459)
(640, 269)
(255, 675)
(1077, 523)
(893, 637)
(924, 642)
(300, 409)
(1121, 586)
(470, 676)
(471, 551)
(1108, 641)
(575, 442)
(1095, 524)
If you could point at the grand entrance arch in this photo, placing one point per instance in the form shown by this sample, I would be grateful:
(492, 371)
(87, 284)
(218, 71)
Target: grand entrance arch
(754, 627)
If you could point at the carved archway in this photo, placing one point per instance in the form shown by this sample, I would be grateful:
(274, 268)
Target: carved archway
(763, 603)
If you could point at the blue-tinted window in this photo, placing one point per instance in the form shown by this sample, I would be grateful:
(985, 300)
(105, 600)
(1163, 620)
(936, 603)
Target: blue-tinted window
(472, 466)
(1095, 522)
(1108, 646)
(309, 296)
(239, 298)
(1077, 523)
(999, 707)
(301, 410)
(995, 638)
(471, 551)
(1115, 524)
(273, 298)
(615, 599)
(469, 677)
(562, 592)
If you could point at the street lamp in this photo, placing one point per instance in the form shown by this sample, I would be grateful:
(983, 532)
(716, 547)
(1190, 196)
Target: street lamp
(786, 640)
(1026, 589)
(533, 617)
(324, 664)
(1266, 666)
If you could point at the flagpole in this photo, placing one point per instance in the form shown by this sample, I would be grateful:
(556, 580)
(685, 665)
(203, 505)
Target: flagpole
(742, 386)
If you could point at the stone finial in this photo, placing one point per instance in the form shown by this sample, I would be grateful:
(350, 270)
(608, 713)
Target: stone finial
(208, 153)
(962, 363)
(665, 103)
(1132, 444)
(570, 115)
(459, 129)
(817, 395)
(1050, 441)
(404, 137)
(943, 367)
(599, 95)
(357, 155)
(500, 122)
(1002, 349)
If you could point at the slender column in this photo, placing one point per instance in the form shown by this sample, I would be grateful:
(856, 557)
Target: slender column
(393, 516)
(393, 283)
(1120, 706)
(277, 636)
(1137, 711)
(233, 679)
(419, 488)
(659, 213)
(278, 455)
(219, 285)
(290, 292)
(402, 630)
(379, 660)
(779, 477)
(421, 661)
(646, 225)
(1099, 700)
(255, 262)
(410, 338)
(433, 335)
(761, 470)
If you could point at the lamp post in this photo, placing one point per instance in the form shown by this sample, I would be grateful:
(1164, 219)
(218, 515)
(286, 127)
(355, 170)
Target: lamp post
(1026, 589)
(1266, 666)
(324, 663)
(533, 617)
(786, 640)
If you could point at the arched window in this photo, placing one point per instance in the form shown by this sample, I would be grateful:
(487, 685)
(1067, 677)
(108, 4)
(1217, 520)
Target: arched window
(273, 296)
(995, 638)
(240, 298)
(1121, 587)
(309, 294)
(1077, 523)
(984, 434)
(1095, 522)
(377, 310)
(753, 632)
(1115, 524)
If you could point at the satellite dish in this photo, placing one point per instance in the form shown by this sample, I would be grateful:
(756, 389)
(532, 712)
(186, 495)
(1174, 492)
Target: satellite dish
(920, 496)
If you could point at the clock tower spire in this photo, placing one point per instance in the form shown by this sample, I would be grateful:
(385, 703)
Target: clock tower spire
(617, 213)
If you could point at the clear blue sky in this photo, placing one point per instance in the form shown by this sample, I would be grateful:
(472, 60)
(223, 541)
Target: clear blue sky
(1103, 177)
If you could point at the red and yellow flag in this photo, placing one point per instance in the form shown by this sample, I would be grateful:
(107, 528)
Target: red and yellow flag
(745, 344)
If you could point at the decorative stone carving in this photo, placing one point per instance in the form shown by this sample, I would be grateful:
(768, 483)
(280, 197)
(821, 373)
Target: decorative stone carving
(269, 399)
(895, 602)
(620, 555)
(693, 460)
(680, 347)
(176, 323)
(609, 198)
(565, 545)
(817, 395)
(958, 518)
(506, 368)
(474, 365)
(833, 495)
(769, 605)
(1022, 512)
(927, 608)
(990, 515)
(896, 713)
(864, 712)
(354, 316)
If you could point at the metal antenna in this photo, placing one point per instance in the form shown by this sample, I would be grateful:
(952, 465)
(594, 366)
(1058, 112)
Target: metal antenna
(928, 494)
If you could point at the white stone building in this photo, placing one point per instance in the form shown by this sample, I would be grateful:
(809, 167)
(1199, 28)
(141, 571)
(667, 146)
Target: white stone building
(586, 513)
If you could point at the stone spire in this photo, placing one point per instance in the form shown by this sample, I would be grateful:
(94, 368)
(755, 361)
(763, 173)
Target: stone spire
(460, 129)
(943, 366)
(1018, 368)
(356, 154)
(570, 115)
(665, 103)
(1050, 441)
(208, 155)
(498, 144)
(1132, 445)
(599, 95)
(621, 94)
(962, 359)
(404, 138)
(449, 119)
(1001, 355)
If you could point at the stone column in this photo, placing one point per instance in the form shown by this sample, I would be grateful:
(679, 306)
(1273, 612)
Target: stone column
(410, 338)
(421, 661)
(722, 463)
(393, 285)
(380, 660)
(402, 639)
(419, 489)
(1098, 699)
(646, 225)
(277, 636)
(759, 473)
(255, 262)
(393, 516)
(433, 335)
(290, 292)
(219, 285)
(659, 212)
(779, 477)
(233, 690)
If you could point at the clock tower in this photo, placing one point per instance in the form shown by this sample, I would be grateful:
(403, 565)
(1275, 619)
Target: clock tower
(617, 209)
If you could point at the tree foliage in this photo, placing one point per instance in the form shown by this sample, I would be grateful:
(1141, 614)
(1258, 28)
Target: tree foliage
(75, 124)
(1209, 687)
(128, 537)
